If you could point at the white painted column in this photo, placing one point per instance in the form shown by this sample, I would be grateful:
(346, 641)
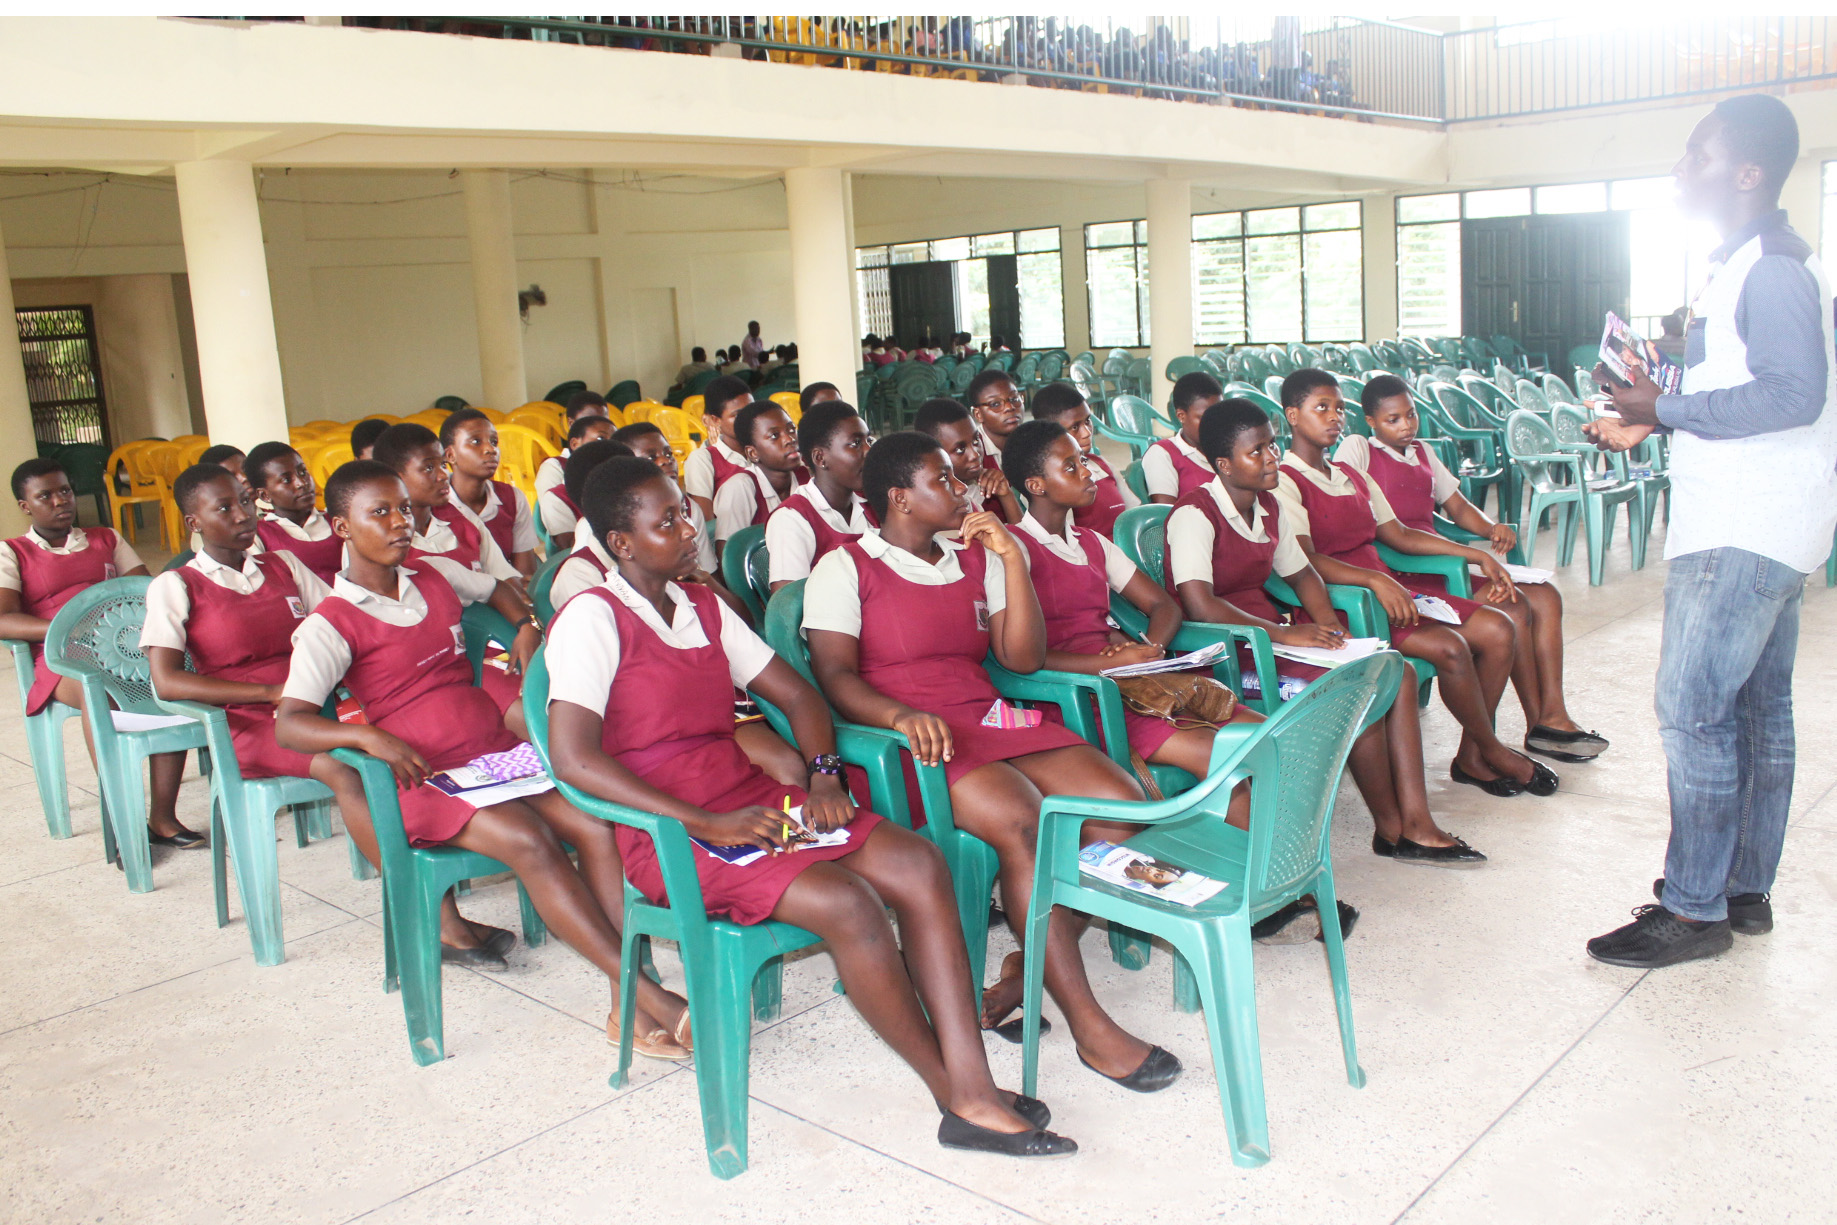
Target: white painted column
(494, 288)
(822, 269)
(1379, 218)
(1170, 278)
(16, 437)
(239, 360)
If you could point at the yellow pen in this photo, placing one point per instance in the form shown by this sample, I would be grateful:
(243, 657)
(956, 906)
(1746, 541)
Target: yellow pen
(785, 827)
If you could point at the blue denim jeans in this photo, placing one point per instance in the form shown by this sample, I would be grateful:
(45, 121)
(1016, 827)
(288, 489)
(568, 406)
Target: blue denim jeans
(1724, 698)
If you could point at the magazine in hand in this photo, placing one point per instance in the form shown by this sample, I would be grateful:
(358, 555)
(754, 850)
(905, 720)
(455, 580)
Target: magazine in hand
(1202, 658)
(802, 838)
(1623, 350)
(1139, 873)
(495, 777)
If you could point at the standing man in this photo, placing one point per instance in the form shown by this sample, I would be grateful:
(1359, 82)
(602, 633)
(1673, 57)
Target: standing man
(1754, 497)
(752, 349)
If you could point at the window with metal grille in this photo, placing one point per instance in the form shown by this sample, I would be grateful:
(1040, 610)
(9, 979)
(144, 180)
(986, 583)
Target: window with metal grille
(1036, 273)
(63, 374)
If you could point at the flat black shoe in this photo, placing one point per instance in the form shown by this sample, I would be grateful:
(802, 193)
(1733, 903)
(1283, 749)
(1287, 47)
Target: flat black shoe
(1503, 787)
(1032, 1109)
(1159, 1070)
(1011, 1030)
(1543, 779)
(1565, 746)
(1751, 914)
(184, 840)
(954, 1131)
(480, 958)
(1296, 923)
(499, 941)
(1348, 919)
(1657, 938)
(1456, 854)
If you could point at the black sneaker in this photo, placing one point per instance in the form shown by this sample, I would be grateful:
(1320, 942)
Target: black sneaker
(1751, 914)
(1656, 938)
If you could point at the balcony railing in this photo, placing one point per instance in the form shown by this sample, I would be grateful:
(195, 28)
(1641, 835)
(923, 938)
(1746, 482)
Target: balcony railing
(1346, 66)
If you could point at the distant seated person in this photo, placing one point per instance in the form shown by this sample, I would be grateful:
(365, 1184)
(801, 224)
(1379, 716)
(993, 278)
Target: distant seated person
(441, 529)
(730, 361)
(1064, 406)
(289, 503)
(698, 364)
(230, 459)
(588, 562)
(364, 435)
(960, 346)
(44, 570)
(1175, 466)
(999, 344)
(708, 467)
(554, 508)
(580, 405)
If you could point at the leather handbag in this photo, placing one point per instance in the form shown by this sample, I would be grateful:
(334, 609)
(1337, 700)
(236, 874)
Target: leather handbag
(1188, 700)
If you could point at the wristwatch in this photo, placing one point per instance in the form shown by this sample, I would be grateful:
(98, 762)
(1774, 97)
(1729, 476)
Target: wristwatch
(826, 763)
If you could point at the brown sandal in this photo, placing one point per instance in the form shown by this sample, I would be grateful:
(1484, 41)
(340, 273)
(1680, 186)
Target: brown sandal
(657, 1044)
(684, 1038)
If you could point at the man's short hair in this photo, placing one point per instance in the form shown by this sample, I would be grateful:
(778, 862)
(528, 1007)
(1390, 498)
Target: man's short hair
(1759, 128)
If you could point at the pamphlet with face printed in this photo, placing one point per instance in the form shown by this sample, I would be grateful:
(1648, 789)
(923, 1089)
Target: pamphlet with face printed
(1139, 873)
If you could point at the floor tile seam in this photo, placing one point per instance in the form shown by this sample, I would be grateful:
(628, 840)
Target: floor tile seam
(32, 766)
(623, 1095)
(215, 965)
(26, 880)
(1617, 617)
(1522, 1095)
(896, 1160)
(323, 901)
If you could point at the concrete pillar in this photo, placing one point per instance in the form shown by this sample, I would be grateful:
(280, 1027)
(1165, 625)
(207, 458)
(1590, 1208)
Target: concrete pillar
(1379, 218)
(1170, 278)
(494, 288)
(822, 267)
(239, 361)
(16, 437)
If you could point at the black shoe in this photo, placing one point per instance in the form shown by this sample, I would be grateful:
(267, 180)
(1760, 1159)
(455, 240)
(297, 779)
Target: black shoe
(1564, 746)
(1543, 779)
(499, 941)
(1657, 938)
(1503, 787)
(1456, 854)
(1011, 1030)
(481, 958)
(955, 1131)
(1751, 914)
(1296, 923)
(1159, 1070)
(184, 840)
(1032, 1109)
(1348, 919)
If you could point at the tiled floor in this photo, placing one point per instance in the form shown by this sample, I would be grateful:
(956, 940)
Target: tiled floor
(150, 1071)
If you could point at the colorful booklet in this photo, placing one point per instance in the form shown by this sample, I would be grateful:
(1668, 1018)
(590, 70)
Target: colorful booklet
(495, 777)
(1139, 873)
(802, 838)
(1623, 350)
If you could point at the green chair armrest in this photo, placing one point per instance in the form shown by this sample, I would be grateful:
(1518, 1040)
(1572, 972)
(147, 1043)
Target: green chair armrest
(1138, 444)
(216, 723)
(1451, 569)
(23, 666)
(1363, 618)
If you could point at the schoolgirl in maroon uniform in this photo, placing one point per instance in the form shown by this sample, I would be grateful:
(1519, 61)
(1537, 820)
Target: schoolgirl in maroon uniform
(291, 519)
(1175, 466)
(998, 407)
(899, 624)
(640, 714)
(768, 439)
(471, 444)
(1339, 517)
(44, 570)
(390, 633)
(709, 467)
(581, 406)
(827, 511)
(559, 512)
(1416, 483)
(955, 430)
(1063, 405)
(1224, 541)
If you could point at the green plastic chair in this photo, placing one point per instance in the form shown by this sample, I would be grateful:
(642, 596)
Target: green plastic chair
(45, 741)
(86, 464)
(726, 966)
(744, 569)
(1294, 763)
(242, 817)
(1137, 481)
(880, 752)
(558, 394)
(1553, 478)
(1556, 391)
(1129, 422)
(1603, 488)
(95, 639)
(1480, 436)
(1530, 395)
(541, 583)
(1272, 388)
(1027, 372)
(624, 392)
(1181, 366)
(1271, 406)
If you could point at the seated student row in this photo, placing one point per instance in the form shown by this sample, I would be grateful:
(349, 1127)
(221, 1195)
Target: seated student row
(923, 499)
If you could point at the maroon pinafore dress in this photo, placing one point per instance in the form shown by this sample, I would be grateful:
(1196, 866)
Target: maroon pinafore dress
(723, 467)
(503, 524)
(1191, 475)
(670, 720)
(827, 537)
(1344, 528)
(323, 557)
(248, 638)
(1411, 491)
(471, 540)
(1240, 567)
(1100, 516)
(1075, 600)
(48, 581)
(924, 646)
(415, 683)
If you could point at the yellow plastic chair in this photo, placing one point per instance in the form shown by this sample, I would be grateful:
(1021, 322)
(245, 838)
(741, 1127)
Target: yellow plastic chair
(129, 466)
(191, 450)
(521, 451)
(641, 410)
(792, 403)
(683, 432)
(540, 420)
(693, 406)
(432, 418)
(491, 414)
(327, 458)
